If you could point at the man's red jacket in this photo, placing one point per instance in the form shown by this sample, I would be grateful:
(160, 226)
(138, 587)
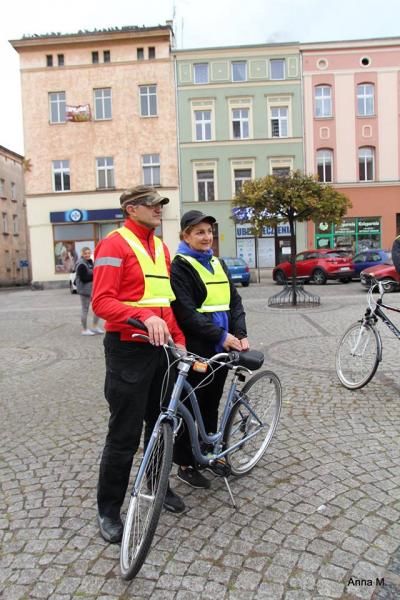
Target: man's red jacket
(117, 276)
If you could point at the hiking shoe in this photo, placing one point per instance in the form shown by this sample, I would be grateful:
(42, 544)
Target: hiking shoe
(110, 529)
(173, 502)
(87, 332)
(193, 478)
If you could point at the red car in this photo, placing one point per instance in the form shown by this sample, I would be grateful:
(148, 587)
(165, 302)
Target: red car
(386, 272)
(317, 266)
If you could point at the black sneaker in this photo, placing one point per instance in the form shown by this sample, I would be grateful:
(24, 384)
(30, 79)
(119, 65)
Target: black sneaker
(173, 502)
(110, 529)
(193, 478)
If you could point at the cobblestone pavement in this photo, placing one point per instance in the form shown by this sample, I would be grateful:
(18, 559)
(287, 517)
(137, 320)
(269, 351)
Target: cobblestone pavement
(323, 506)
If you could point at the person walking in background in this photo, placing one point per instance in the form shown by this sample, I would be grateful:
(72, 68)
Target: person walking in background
(84, 284)
(396, 253)
(210, 312)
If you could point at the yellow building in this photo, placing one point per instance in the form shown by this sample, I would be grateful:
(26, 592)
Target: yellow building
(99, 116)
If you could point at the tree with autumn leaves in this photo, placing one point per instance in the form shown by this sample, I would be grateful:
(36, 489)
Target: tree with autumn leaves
(275, 199)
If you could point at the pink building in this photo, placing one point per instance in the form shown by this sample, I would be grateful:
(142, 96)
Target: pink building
(352, 136)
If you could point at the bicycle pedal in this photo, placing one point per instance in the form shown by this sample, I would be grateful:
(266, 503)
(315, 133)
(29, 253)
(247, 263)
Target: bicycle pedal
(221, 468)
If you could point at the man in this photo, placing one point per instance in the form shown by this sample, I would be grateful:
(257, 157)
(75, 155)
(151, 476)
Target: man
(131, 279)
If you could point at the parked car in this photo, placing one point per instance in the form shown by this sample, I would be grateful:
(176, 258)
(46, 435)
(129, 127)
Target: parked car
(370, 258)
(238, 270)
(317, 266)
(72, 286)
(386, 271)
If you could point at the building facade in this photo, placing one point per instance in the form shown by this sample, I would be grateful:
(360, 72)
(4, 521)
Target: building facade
(99, 116)
(352, 137)
(239, 117)
(14, 251)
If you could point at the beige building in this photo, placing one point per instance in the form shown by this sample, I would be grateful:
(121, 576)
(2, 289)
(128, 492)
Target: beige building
(99, 116)
(14, 253)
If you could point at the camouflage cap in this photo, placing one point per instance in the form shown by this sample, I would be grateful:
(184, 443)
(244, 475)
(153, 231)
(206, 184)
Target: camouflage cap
(142, 194)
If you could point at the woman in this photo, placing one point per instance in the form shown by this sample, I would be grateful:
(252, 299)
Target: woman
(84, 285)
(210, 313)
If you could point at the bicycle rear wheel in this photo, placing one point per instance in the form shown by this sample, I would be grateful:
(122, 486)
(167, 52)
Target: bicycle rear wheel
(263, 394)
(358, 355)
(146, 502)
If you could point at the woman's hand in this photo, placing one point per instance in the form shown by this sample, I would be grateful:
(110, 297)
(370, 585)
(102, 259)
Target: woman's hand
(245, 344)
(232, 343)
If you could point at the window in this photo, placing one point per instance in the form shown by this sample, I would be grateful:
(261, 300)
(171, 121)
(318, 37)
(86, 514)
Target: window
(280, 171)
(366, 163)
(57, 107)
(106, 56)
(279, 121)
(152, 52)
(140, 53)
(240, 176)
(323, 101)
(60, 60)
(15, 225)
(200, 72)
(240, 123)
(5, 222)
(102, 102)
(324, 165)
(2, 187)
(105, 172)
(95, 57)
(13, 192)
(203, 125)
(277, 68)
(205, 186)
(365, 99)
(239, 71)
(49, 60)
(148, 100)
(61, 176)
(151, 169)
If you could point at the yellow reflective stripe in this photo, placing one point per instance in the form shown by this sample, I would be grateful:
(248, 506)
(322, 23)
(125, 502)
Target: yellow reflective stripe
(148, 302)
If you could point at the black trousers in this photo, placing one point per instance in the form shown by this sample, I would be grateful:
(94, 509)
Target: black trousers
(208, 398)
(134, 374)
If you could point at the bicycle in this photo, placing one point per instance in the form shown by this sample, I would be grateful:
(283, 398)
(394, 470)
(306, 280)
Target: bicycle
(247, 425)
(360, 348)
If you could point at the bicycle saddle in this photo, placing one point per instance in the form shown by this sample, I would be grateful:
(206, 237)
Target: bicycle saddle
(252, 359)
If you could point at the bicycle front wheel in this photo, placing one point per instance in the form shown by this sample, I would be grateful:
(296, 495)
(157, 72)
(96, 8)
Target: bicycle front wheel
(146, 502)
(263, 395)
(358, 355)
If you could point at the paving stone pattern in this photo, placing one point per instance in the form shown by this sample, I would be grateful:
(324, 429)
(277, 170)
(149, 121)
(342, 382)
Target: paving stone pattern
(321, 508)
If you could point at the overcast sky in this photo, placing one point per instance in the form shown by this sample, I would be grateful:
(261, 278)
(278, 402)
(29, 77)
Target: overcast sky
(198, 23)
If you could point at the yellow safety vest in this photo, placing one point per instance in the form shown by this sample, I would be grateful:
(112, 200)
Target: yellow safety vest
(157, 287)
(217, 285)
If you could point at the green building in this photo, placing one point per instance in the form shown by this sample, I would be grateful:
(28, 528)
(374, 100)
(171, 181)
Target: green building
(239, 117)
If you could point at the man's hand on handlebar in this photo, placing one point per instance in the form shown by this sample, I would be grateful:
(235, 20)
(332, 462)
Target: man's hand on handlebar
(158, 330)
(232, 343)
(245, 344)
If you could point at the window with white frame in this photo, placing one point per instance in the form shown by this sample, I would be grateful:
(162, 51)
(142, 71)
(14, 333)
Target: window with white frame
(13, 192)
(239, 177)
(57, 107)
(148, 100)
(365, 99)
(280, 171)
(280, 166)
(240, 123)
(105, 172)
(15, 225)
(151, 169)
(323, 101)
(279, 121)
(4, 222)
(102, 104)
(202, 125)
(366, 163)
(277, 68)
(205, 186)
(239, 70)
(324, 165)
(200, 73)
(61, 176)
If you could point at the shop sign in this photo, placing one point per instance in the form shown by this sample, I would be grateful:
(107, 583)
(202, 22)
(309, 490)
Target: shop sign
(369, 225)
(245, 230)
(346, 226)
(77, 215)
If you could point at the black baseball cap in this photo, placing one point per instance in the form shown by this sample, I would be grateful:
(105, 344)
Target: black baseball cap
(194, 217)
(142, 194)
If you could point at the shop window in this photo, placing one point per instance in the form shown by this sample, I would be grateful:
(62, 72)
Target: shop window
(68, 243)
